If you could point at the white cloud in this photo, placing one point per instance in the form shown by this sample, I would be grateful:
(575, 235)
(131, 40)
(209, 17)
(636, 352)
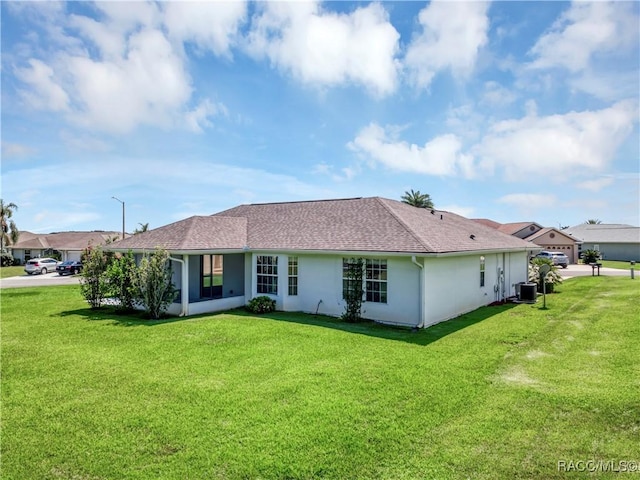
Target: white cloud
(453, 33)
(130, 16)
(60, 220)
(198, 118)
(210, 25)
(147, 85)
(440, 156)
(45, 92)
(557, 145)
(495, 95)
(14, 150)
(597, 184)
(346, 174)
(127, 72)
(607, 85)
(584, 30)
(529, 200)
(326, 49)
(458, 209)
(79, 141)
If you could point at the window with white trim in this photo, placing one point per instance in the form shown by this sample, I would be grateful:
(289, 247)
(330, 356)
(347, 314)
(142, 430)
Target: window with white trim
(293, 276)
(482, 271)
(375, 279)
(267, 274)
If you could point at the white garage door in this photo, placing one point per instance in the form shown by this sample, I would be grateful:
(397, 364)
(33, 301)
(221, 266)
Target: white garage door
(74, 255)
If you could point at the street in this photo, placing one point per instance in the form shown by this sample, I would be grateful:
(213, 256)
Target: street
(47, 279)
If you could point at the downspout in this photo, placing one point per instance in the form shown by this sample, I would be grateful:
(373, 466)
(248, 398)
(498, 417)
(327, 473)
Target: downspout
(422, 306)
(504, 276)
(185, 286)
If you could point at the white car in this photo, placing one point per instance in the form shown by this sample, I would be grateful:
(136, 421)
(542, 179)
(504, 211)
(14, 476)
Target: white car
(41, 265)
(558, 258)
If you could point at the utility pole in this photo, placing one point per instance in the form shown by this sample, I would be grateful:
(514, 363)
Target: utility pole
(122, 214)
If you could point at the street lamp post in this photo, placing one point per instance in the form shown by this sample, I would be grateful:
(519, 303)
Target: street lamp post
(122, 214)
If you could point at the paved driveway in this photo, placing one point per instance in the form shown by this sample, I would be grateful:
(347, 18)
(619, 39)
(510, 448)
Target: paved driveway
(39, 280)
(585, 270)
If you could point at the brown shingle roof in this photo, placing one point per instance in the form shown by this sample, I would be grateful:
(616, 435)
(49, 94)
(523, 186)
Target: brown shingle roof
(487, 222)
(513, 228)
(64, 240)
(193, 233)
(359, 224)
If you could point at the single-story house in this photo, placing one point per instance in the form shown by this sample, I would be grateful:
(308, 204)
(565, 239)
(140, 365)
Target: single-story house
(421, 266)
(548, 238)
(613, 241)
(68, 244)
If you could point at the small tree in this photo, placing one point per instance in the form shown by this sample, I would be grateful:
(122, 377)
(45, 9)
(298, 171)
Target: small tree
(9, 233)
(121, 273)
(94, 283)
(353, 290)
(154, 285)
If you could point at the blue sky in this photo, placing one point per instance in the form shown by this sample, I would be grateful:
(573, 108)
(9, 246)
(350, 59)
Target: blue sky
(513, 111)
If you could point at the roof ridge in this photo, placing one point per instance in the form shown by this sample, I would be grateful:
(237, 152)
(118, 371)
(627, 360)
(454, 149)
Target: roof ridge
(403, 223)
(307, 201)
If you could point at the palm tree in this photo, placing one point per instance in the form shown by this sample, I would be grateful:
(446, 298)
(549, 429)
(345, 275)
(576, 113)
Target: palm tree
(10, 232)
(417, 199)
(143, 228)
(593, 221)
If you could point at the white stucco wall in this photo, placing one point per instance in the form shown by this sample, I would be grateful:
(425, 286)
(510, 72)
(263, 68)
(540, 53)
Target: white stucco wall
(452, 284)
(320, 288)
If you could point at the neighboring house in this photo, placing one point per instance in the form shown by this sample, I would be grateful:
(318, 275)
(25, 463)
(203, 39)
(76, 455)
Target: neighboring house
(69, 244)
(613, 241)
(422, 266)
(548, 238)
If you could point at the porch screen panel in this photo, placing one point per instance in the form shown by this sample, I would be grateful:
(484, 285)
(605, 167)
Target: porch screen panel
(211, 267)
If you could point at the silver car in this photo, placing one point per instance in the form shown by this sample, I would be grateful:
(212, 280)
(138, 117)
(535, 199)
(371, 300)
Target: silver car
(41, 265)
(558, 258)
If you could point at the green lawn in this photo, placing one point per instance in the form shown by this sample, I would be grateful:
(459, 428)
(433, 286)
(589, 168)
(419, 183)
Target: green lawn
(618, 264)
(6, 272)
(503, 392)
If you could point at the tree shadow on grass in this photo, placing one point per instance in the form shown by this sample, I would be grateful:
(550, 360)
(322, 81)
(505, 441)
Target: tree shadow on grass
(121, 319)
(365, 327)
(373, 329)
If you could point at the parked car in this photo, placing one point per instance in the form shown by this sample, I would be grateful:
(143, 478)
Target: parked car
(558, 258)
(41, 265)
(70, 267)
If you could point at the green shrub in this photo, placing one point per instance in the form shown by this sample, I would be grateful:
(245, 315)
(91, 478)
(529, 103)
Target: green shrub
(590, 256)
(6, 260)
(552, 278)
(153, 281)
(261, 304)
(94, 283)
(122, 272)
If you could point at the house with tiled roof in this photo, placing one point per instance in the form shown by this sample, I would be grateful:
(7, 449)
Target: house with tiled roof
(613, 241)
(69, 245)
(421, 266)
(548, 238)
